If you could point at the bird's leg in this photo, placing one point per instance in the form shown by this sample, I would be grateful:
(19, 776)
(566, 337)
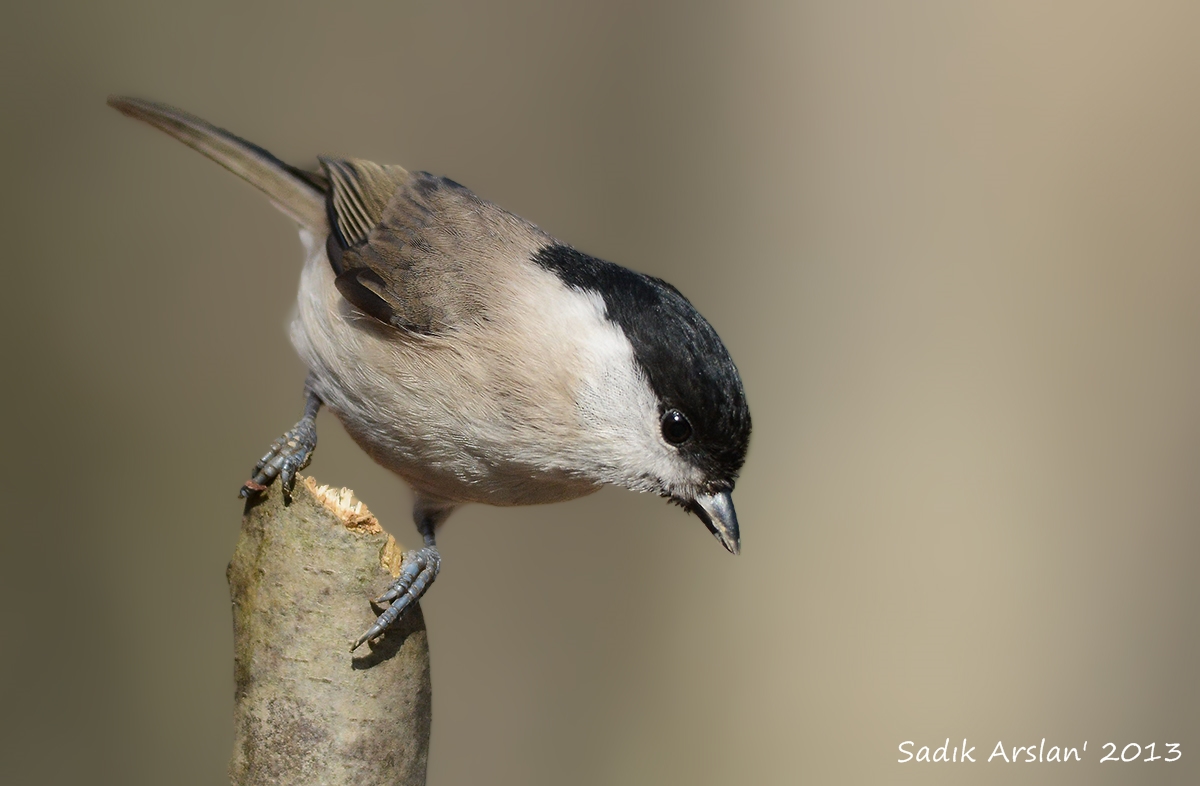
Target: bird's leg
(417, 571)
(290, 453)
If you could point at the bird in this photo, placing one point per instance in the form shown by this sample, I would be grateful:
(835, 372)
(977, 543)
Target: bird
(480, 359)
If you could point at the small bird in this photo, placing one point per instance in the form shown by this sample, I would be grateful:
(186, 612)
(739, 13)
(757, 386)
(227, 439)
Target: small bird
(480, 359)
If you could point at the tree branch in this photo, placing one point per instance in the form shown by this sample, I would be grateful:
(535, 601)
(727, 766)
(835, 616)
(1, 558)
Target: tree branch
(306, 711)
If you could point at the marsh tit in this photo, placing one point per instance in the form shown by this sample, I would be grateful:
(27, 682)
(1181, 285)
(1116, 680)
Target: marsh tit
(480, 359)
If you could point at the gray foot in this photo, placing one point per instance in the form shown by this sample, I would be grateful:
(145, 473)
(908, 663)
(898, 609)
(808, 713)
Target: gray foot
(288, 455)
(417, 572)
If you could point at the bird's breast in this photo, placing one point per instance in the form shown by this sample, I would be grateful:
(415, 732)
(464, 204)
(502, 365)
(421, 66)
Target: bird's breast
(488, 412)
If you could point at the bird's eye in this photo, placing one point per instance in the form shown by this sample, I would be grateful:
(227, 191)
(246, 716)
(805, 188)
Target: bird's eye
(675, 427)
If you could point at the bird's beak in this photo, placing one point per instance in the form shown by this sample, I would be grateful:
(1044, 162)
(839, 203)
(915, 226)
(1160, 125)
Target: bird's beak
(717, 513)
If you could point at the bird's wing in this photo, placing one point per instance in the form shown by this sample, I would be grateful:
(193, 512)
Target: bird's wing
(417, 251)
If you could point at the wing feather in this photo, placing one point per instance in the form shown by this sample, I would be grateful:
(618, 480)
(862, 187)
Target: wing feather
(419, 252)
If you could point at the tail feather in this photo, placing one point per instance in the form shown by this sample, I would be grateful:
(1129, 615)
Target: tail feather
(299, 194)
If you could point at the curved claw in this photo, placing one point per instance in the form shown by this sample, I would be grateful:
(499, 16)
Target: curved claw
(288, 455)
(417, 572)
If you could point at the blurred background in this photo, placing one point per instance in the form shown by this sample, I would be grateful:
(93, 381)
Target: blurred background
(953, 248)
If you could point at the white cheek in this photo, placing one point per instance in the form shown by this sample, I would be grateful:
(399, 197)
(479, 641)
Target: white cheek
(619, 412)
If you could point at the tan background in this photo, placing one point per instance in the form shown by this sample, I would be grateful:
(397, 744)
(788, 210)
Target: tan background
(952, 246)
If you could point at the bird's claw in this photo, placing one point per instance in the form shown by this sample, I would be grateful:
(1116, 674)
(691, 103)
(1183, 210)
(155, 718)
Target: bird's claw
(417, 571)
(288, 455)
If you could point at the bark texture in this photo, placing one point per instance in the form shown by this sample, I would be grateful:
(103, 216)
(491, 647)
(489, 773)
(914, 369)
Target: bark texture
(306, 710)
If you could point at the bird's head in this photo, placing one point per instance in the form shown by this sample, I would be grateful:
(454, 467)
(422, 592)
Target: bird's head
(670, 408)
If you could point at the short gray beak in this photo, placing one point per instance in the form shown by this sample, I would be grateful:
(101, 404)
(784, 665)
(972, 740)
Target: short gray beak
(717, 513)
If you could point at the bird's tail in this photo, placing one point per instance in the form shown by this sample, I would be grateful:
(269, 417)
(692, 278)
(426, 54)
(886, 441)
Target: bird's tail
(297, 193)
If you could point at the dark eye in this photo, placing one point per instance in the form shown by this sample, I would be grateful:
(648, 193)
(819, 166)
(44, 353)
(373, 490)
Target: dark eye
(675, 427)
